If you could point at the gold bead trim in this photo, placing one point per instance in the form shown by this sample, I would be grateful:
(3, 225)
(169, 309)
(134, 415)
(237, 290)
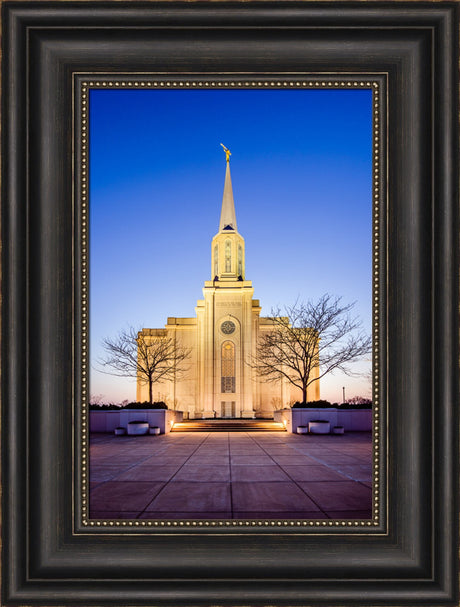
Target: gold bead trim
(104, 82)
(260, 84)
(84, 299)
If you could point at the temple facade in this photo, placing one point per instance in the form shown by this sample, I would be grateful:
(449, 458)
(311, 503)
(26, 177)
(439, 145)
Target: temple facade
(223, 337)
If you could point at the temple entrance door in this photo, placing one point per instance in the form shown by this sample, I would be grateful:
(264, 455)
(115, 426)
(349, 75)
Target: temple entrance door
(228, 379)
(228, 408)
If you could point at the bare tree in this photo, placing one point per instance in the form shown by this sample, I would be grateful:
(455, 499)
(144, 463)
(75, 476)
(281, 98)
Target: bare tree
(148, 357)
(311, 340)
(358, 400)
(96, 399)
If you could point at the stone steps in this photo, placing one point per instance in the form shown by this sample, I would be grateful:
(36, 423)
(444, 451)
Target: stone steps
(228, 425)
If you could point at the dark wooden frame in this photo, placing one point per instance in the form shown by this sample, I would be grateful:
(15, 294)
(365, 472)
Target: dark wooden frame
(48, 561)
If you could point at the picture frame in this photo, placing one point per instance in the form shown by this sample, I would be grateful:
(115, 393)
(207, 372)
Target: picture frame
(48, 558)
(224, 95)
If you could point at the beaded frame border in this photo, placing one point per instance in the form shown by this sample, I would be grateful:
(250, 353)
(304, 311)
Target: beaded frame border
(82, 84)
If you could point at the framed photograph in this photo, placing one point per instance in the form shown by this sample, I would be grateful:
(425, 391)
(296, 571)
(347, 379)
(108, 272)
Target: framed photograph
(152, 206)
(73, 74)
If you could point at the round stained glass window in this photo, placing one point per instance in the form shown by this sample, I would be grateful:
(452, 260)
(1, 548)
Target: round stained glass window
(227, 327)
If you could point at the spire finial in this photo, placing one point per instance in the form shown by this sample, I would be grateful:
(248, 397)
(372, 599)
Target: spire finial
(227, 216)
(227, 152)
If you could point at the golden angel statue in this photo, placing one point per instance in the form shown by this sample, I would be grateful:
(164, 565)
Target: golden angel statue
(227, 152)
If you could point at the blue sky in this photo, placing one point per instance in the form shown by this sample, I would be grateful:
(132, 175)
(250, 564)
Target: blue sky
(301, 171)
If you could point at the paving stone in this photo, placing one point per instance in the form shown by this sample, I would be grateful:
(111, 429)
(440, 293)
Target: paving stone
(249, 460)
(357, 473)
(313, 473)
(270, 497)
(182, 468)
(181, 496)
(211, 453)
(218, 460)
(123, 496)
(145, 472)
(170, 460)
(339, 495)
(220, 437)
(247, 451)
(339, 459)
(100, 474)
(295, 460)
(120, 461)
(281, 450)
(184, 440)
(258, 473)
(210, 474)
(174, 452)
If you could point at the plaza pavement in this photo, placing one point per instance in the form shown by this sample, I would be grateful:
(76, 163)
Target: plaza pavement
(231, 475)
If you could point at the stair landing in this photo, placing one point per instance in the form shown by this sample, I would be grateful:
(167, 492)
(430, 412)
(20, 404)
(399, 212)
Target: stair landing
(228, 425)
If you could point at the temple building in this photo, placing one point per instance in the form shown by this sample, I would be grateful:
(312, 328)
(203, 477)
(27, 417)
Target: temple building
(218, 381)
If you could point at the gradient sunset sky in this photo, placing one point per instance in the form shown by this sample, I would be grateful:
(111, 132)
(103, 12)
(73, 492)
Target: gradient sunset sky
(301, 169)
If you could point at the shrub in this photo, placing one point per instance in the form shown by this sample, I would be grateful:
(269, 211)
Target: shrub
(133, 405)
(358, 400)
(102, 407)
(146, 405)
(313, 404)
(367, 405)
(325, 404)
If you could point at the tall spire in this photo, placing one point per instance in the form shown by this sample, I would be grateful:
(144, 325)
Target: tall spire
(227, 215)
(227, 257)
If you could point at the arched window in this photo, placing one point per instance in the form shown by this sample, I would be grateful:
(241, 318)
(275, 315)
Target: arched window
(216, 260)
(228, 256)
(240, 260)
(228, 367)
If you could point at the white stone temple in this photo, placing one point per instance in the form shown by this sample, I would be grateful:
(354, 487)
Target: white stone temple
(223, 337)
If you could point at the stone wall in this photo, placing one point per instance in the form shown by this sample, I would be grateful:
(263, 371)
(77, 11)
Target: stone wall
(107, 421)
(353, 421)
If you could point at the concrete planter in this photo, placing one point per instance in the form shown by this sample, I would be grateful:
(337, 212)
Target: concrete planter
(338, 430)
(119, 431)
(137, 427)
(359, 420)
(302, 429)
(154, 430)
(319, 427)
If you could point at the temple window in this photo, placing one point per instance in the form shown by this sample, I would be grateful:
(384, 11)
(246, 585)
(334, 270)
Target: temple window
(228, 256)
(216, 260)
(228, 367)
